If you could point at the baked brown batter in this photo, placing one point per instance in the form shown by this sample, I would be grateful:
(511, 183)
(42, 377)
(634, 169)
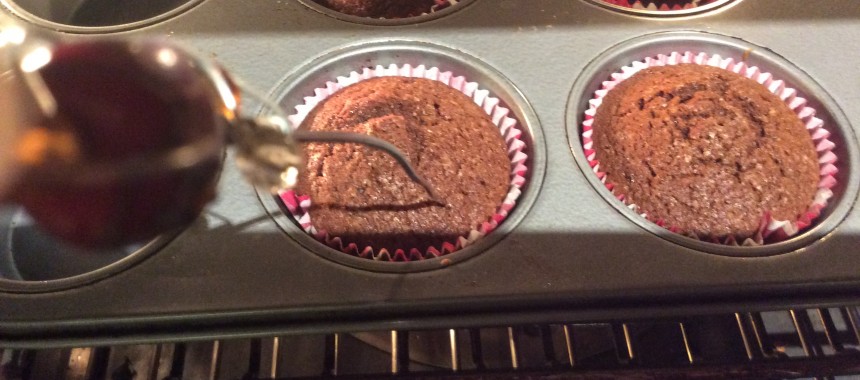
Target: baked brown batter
(706, 150)
(364, 196)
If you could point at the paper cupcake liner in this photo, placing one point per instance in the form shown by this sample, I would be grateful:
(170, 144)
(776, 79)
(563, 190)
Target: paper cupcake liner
(442, 4)
(659, 5)
(771, 230)
(299, 204)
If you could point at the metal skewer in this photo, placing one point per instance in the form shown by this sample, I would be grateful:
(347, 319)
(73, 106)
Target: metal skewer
(279, 135)
(372, 142)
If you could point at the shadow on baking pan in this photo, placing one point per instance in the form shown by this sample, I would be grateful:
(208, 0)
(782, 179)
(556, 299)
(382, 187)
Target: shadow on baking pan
(112, 12)
(96, 16)
(236, 277)
(386, 13)
(31, 258)
(536, 15)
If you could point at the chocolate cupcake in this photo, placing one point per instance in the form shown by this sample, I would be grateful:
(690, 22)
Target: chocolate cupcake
(364, 198)
(705, 151)
(382, 8)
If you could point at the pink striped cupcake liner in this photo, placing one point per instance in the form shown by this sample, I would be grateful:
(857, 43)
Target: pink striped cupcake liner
(298, 205)
(659, 5)
(771, 230)
(442, 4)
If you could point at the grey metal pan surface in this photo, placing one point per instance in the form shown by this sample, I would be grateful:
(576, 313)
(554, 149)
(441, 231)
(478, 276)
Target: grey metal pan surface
(572, 256)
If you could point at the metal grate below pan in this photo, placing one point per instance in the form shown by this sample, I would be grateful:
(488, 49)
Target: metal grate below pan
(816, 343)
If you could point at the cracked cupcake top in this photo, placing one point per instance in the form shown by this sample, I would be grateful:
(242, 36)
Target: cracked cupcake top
(365, 197)
(705, 150)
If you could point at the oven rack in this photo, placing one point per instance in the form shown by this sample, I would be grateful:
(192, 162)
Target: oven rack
(796, 343)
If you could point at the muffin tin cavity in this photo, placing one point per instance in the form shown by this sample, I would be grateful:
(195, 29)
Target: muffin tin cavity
(637, 49)
(446, 8)
(664, 8)
(292, 91)
(97, 16)
(32, 261)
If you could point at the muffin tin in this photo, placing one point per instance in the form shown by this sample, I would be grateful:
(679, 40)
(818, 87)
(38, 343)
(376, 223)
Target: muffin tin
(566, 253)
(33, 261)
(91, 16)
